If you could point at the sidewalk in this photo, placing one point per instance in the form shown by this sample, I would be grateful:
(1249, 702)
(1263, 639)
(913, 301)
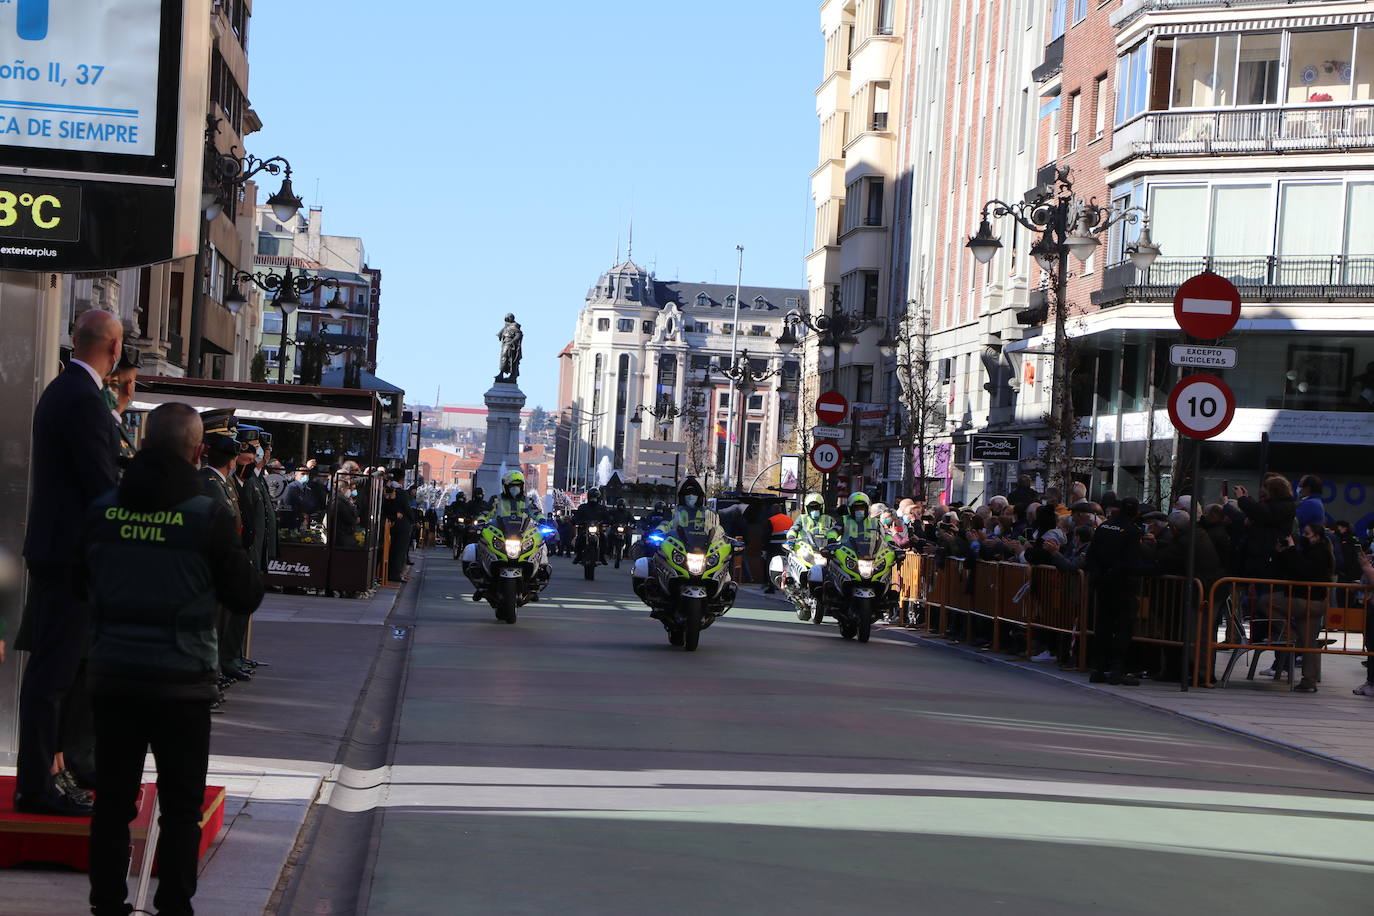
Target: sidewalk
(1333, 724)
(277, 741)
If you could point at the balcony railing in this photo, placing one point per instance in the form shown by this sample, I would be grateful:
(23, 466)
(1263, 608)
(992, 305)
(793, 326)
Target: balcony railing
(1269, 129)
(1053, 63)
(1258, 278)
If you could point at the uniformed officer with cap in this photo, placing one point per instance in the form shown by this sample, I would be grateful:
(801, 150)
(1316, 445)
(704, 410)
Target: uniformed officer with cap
(221, 451)
(158, 559)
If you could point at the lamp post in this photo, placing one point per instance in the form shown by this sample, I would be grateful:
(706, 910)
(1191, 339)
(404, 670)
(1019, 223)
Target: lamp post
(840, 331)
(1067, 224)
(745, 381)
(286, 290)
(665, 413)
(225, 174)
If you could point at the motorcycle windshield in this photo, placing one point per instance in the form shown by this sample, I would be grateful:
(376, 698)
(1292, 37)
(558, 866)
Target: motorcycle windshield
(866, 546)
(511, 526)
(694, 541)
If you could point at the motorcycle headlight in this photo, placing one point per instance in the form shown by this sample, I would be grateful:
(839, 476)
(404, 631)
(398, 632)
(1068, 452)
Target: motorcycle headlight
(591, 530)
(513, 548)
(696, 563)
(866, 568)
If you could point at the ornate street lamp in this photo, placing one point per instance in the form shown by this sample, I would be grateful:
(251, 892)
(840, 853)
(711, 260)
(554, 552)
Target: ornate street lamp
(286, 290)
(1067, 224)
(666, 413)
(745, 381)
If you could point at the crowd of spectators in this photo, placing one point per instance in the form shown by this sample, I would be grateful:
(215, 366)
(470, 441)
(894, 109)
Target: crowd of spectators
(1271, 533)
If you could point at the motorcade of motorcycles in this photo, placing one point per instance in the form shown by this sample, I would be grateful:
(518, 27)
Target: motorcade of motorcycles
(617, 540)
(509, 563)
(686, 583)
(461, 534)
(799, 572)
(857, 585)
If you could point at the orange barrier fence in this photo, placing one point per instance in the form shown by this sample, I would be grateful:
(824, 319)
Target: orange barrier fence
(1287, 618)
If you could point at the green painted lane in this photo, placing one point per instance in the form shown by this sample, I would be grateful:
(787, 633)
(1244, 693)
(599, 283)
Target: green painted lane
(575, 763)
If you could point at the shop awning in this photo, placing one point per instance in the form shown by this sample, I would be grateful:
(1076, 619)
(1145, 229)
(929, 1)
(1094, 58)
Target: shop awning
(263, 410)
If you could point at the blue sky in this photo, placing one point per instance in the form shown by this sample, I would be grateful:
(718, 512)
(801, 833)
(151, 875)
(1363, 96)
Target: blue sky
(491, 154)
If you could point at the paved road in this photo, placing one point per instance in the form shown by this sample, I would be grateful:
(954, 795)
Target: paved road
(574, 763)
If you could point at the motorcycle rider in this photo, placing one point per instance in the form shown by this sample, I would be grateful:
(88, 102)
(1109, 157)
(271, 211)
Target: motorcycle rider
(591, 512)
(859, 523)
(691, 514)
(512, 503)
(812, 521)
(620, 517)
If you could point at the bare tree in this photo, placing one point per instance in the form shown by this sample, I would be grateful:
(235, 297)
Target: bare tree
(921, 400)
(694, 426)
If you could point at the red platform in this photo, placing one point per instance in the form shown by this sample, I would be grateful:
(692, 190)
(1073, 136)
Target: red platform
(64, 840)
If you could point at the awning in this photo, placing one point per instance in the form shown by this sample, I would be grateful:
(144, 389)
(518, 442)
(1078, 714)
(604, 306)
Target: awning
(263, 410)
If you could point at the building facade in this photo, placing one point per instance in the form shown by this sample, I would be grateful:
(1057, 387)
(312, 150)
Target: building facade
(647, 350)
(1243, 131)
(343, 328)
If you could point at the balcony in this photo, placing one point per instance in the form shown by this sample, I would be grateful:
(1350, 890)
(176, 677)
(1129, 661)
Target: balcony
(1258, 278)
(1320, 127)
(1053, 63)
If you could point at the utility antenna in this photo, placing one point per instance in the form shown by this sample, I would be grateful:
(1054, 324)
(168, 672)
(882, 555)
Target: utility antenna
(317, 193)
(630, 255)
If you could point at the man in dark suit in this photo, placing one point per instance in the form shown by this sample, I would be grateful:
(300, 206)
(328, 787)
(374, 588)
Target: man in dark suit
(73, 462)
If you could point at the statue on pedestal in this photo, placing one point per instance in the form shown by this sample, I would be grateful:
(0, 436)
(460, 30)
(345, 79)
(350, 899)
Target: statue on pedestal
(512, 339)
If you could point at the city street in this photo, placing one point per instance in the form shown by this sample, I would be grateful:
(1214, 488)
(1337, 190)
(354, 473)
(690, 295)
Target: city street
(575, 763)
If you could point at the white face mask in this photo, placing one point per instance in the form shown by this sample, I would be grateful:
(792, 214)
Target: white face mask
(690, 501)
(861, 513)
(258, 454)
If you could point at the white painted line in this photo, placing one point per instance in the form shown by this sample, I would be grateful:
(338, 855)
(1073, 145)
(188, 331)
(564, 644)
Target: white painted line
(1206, 306)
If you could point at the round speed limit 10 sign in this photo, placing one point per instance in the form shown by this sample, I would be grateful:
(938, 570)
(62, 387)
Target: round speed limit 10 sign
(1201, 406)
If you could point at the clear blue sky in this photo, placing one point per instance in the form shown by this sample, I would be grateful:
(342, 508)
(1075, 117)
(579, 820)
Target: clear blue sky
(490, 154)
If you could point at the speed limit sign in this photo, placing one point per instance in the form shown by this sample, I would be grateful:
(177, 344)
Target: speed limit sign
(826, 456)
(1201, 406)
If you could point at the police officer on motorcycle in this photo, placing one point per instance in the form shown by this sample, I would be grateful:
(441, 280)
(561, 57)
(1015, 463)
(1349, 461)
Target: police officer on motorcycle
(859, 522)
(511, 503)
(691, 514)
(592, 512)
(812, 520)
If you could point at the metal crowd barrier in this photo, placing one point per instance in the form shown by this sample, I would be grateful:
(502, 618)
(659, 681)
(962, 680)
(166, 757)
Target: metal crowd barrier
(1287, 618)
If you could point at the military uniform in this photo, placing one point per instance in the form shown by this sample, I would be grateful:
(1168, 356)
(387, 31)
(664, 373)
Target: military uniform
(1114, 562)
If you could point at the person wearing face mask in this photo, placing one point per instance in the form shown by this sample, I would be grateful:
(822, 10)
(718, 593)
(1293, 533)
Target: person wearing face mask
(812, 519)
(691, 514)
(299, 500)
(859, 521)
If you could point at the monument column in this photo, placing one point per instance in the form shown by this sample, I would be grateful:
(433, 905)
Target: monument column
(504, 401)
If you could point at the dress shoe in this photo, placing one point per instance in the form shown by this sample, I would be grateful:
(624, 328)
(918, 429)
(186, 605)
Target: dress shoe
(67, 784)
(1097, 677)
(53, 804)
(1123, 680)
(238, 674)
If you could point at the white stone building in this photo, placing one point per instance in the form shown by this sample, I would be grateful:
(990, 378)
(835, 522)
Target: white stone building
(645, 347)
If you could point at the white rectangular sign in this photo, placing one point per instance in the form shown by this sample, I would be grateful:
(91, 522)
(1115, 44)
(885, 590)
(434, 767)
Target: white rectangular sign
(1202, 357)
(827, 432)
(80, 75)
(1206, 306)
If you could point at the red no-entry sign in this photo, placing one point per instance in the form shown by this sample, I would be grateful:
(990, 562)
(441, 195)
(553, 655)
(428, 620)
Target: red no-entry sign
(1201, 406)
(1207, 306)
(826, 456)
(832, 408)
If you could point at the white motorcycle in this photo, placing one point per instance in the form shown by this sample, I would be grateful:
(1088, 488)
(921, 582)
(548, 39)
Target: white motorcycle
(799, 572)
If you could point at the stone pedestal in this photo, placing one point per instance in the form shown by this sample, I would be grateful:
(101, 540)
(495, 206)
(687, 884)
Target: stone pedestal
(504, 400)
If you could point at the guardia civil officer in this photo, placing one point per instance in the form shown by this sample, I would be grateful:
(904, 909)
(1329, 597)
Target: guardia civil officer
(1114, 563)
(158, 558)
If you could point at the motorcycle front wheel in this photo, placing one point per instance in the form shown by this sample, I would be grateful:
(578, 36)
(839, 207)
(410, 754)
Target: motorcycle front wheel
(692, 634)
(864, 609)
(505, 602)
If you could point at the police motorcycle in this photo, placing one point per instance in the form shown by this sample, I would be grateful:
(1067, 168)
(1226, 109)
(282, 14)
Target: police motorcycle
(619, 531)
(508, 563)
(857, 583)
(591, 520)
(686, 580)
(800, 570)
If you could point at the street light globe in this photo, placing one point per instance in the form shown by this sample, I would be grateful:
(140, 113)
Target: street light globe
(847, 344)
(213, 209)
(234, 301)
(336, 306)
(887, 346)
(983, 245)
(1081, 241)
(285, 204)
(1144, 252)
(787, 340)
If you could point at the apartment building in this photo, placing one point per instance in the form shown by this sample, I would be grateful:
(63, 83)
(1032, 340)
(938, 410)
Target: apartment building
(339, 324)
(640, 384)
(850, 266)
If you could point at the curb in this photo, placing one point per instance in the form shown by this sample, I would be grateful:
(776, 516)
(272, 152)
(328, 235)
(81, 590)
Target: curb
(1136, 700)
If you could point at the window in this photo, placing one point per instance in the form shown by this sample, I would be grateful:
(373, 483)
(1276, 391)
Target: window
(271, 323)
(603, 324)
(1243, 219)
(874, 214)
(727, 327)
(1100, 111)
(792, 302)
(870, 293)
(1308, 224)
(703, 300)
(1132, 83)
(1061, 10)
(863, 389)
(647, 326)
(1174, 221)
(625, 325)
(881, 93)
(1052, 145)
(723, 399)
(884, 17)
(1080, 11)
(756, 402)
(1073, 120)
(760, 303)
(700, 361)
(730, 301)
(758, 330)
(270, 354)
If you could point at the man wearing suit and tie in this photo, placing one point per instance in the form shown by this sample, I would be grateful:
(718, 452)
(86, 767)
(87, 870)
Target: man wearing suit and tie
(73, 464)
